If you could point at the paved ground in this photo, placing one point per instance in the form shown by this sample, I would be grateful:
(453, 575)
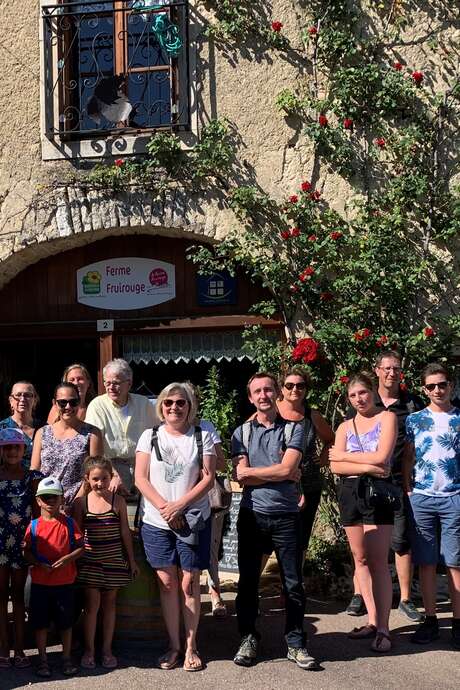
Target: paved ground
(345, 664)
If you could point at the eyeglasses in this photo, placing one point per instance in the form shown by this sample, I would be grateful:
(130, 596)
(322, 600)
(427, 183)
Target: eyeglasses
(18, 396)
(73, 402)
(388, 370)
(442, 385)
(300, 386)
(169, 403)
(114, 384)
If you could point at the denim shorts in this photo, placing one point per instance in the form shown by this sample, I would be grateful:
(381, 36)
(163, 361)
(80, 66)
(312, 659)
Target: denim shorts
(436, 529)
(163, 548)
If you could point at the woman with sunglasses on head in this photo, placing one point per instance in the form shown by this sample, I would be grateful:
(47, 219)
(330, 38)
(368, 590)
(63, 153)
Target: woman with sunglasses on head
(293, 406)
(364, 447)
(61, 448)
(79, 375)
(23, 400)
(174, 476)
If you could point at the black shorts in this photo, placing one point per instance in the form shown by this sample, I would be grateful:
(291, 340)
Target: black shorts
(52, 604)
(400, 539)
(354, 507)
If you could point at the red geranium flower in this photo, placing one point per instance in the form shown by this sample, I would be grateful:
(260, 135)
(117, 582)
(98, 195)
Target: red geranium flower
(397, 66)
(344, 379)
(119, 162)
(277, 26)
(312, 30)
(348, 123)
(312, 238)
(293, 199)
(295, 232)
(428, 332)
(417, 77)
(315, 196)
(285, 234)
(380, 142)
(305, 186)
(306, 350)
(326, 296)
(381, 341)
(323, 121)
(336, 235)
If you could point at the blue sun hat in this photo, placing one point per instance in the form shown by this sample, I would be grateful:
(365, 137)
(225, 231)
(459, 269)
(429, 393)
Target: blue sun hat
(11, 437)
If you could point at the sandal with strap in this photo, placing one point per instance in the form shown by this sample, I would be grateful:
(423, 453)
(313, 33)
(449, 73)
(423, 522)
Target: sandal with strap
(189, 665)
(43, 670)
(169, 660)
(219, 610)
(382, 643)
(5, 662)
(87, 662)
(109, 661)
(365, 632)
(21, 661)
(69, 668)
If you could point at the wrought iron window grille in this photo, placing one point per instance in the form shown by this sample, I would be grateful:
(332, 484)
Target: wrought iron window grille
(115, 67)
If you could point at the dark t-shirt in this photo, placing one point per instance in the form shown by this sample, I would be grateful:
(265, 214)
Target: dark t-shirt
(404, 406)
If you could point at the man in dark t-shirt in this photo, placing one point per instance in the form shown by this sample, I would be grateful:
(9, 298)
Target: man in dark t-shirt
(390, 396)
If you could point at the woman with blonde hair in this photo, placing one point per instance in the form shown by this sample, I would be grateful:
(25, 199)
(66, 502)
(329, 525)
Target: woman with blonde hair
(79, 375)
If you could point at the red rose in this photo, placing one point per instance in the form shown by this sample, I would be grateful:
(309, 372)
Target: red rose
(277, 26)
(294, 288)
(397, 66)
(428, 332)
(336, 235)
(417, 77)
(326, 296)
(307, 273)
(119, 162)
(285, 234)
(401, 376)
(305, 186)
(380, 142)
(312, 238)
(323, 121)
(315, 196)
(348, 123)
(293, 199)
(312, 30)
(381, 341)
(358, 336)
(295, 232)
(344, 379)
(306, 350)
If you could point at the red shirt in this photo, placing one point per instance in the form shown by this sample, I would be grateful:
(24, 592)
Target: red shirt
(52, 542)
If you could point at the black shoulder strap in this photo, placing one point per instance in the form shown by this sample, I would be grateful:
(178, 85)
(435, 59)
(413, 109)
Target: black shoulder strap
(199, 444)
(154, 444)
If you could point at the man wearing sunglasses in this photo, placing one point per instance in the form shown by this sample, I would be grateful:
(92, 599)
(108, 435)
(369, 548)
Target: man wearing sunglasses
(266, 464)
(433, 460)
(390, 396)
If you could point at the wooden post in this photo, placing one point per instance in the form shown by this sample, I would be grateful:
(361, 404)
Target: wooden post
(107, 351)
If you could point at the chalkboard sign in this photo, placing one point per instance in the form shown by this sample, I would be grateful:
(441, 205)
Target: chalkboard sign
(229, 562)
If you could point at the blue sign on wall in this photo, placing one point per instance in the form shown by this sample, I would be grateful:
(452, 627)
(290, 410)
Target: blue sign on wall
(218, 289)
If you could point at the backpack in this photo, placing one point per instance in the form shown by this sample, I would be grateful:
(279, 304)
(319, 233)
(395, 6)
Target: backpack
(198, 440)
(247, 433)
(33, 539)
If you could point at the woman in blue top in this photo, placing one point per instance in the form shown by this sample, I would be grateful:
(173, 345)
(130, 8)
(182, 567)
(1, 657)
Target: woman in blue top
(364, 446)
(23, 400)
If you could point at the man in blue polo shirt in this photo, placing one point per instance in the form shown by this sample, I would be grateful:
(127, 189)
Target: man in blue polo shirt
(266, 454)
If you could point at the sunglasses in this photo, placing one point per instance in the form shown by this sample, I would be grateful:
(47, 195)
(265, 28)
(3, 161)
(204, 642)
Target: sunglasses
(169, 403)
(300, 386)
(18, 396)
(442, 385)
(73, 402)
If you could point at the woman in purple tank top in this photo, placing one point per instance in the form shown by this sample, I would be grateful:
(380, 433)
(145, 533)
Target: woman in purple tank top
(364, 446)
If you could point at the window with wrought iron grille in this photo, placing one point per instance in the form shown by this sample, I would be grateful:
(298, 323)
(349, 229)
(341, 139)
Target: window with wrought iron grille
(115, 67)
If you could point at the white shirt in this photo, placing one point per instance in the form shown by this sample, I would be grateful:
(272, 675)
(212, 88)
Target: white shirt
(176, 473)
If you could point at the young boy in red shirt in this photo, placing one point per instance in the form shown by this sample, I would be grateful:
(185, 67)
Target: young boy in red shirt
(52, 544)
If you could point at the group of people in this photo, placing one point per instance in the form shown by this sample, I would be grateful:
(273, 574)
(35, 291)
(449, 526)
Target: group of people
(64, 487)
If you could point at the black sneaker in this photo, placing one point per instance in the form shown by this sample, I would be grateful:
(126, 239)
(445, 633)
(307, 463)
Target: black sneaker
(455, 639)
(302, 658)
(408, 608)
(426, 632)
(356, 607)
(247, 651)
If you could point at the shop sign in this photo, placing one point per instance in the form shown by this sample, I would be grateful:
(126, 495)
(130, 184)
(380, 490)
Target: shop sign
(218, 289)
(126, 283)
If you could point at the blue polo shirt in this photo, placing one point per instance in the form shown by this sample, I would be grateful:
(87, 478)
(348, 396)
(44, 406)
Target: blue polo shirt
(267, 447)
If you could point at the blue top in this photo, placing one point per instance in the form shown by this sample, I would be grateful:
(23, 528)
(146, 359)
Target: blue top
(9, 423)
(436, 438)
(266, 448)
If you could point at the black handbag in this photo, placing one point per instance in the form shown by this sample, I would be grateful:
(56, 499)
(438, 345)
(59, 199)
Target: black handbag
(379, 493)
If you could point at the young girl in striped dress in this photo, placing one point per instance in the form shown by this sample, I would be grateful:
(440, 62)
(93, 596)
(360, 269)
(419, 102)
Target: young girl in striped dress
(108, 562)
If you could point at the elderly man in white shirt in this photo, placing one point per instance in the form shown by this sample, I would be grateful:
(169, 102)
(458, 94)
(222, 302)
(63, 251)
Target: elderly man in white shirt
(122, 417)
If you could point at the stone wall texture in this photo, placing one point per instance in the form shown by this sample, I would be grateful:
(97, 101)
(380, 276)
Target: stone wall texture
(239, 83)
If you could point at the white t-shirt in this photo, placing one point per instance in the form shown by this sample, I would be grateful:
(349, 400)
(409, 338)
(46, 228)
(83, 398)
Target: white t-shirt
(211, 429)
(176, 473)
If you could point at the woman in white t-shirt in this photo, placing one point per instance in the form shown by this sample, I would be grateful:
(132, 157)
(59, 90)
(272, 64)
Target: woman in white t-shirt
(176, 516)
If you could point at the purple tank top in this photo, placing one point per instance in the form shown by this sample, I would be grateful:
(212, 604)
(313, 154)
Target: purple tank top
(369, 440)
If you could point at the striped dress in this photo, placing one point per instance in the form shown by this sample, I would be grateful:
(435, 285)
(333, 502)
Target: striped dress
(103, 565)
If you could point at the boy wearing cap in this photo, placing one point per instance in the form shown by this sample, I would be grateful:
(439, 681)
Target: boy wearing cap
(52, 543)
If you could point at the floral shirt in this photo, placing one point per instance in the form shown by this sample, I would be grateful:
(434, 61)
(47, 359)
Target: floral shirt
(16, 497)
(436, 439)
